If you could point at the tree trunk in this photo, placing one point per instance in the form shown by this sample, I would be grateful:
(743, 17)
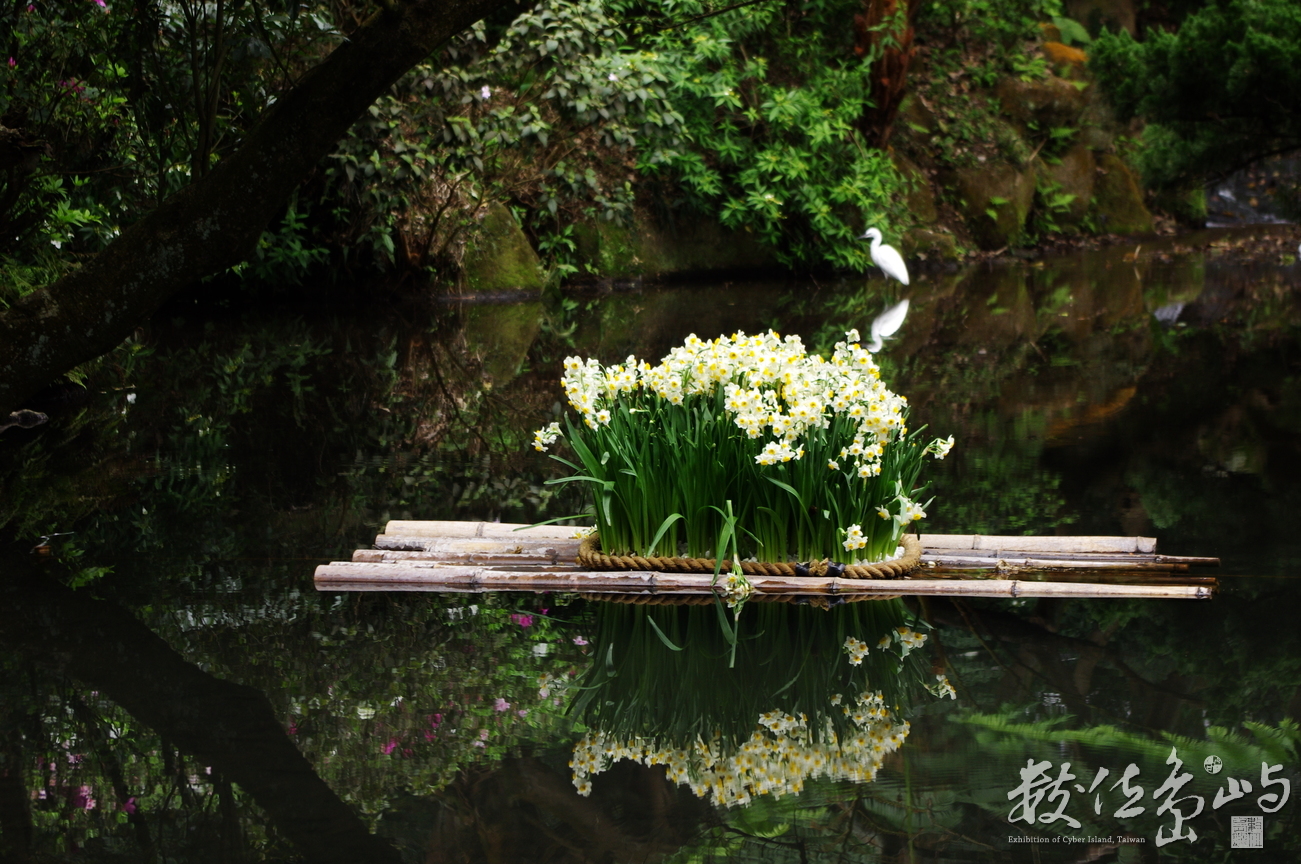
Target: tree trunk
(215, 222)
(230, 727)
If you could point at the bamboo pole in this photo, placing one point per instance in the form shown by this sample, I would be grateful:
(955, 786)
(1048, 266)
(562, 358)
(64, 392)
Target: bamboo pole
(471, 550)
(503, 551)
(420, 533)
(962, 562)
(1008, 543)
(477, 529)
(437, 577)
(1123, 577)
(932, 568)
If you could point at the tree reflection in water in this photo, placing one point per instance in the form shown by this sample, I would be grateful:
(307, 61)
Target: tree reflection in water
(228, 727)
(526, 809)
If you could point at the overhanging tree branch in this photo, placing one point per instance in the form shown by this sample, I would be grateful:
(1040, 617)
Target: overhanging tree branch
(215, 222)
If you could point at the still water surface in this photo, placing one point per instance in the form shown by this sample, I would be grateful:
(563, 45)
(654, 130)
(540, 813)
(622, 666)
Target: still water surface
(174, 689)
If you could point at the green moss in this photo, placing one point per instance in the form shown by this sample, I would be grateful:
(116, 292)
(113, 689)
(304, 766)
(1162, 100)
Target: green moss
(994, 200)
(498, 256)
(925, 243)
(1073, 173)
(691, 243)
(920, 199)
(1117, 199)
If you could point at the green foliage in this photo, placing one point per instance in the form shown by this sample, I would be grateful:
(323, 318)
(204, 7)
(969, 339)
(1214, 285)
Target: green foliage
(677, 452)
(555, 117)
(1223, 91)
(545, 118)
(1001, 25)
(773, 103)
(971, 46)
(1050, 203)
(107, 109)
(1072, 31)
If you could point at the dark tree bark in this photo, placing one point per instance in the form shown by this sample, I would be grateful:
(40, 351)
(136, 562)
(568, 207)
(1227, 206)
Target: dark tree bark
(228, 726)
(890, 70)
(215, 222)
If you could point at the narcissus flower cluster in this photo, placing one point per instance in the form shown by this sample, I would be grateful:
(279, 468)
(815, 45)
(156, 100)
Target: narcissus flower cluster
(777, 759)
(809, 449)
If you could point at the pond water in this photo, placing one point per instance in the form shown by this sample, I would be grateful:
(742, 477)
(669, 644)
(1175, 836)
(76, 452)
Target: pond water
(174, 689)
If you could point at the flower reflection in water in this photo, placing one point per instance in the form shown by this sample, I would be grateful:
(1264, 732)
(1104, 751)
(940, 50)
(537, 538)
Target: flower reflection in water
(782, 717)
(777, 759)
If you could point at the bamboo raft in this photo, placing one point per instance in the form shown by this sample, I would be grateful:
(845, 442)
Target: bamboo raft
(474, 557)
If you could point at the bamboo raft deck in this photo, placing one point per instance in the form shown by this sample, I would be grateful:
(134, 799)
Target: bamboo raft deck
(474, 557)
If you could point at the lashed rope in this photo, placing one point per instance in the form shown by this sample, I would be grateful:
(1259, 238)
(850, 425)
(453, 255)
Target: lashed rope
(820, 601)
(591, 557)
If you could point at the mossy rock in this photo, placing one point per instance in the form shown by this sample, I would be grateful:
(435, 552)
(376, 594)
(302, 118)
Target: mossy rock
(690, 243)
(994, 200)
(498, 256)
(606, 248)
(1118, 206)
(499, 337)
(916, 117)
(1097, 124)
(928, 244)
(1052, 101)
(694, 243)
(1073, 173)
(920, 198)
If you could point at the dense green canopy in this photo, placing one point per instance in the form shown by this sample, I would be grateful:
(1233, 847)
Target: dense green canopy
(1222, 92)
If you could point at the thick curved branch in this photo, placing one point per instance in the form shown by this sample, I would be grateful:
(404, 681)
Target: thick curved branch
(229, 726)
(215, 222)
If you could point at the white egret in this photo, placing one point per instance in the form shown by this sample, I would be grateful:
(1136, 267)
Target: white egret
(887, 324)
(886, 257)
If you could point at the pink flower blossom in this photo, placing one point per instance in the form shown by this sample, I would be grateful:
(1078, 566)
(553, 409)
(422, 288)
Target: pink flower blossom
(579, 640)
(12, 62)
(523, 712)
(483, 734)
(83, 798)
(479, 744)
(130, 806)
(501, 704)
(522, 620)
(390, 746)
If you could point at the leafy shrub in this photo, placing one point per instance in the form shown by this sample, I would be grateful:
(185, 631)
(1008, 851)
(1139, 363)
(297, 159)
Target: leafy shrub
(772, 99)
(1222, 92)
